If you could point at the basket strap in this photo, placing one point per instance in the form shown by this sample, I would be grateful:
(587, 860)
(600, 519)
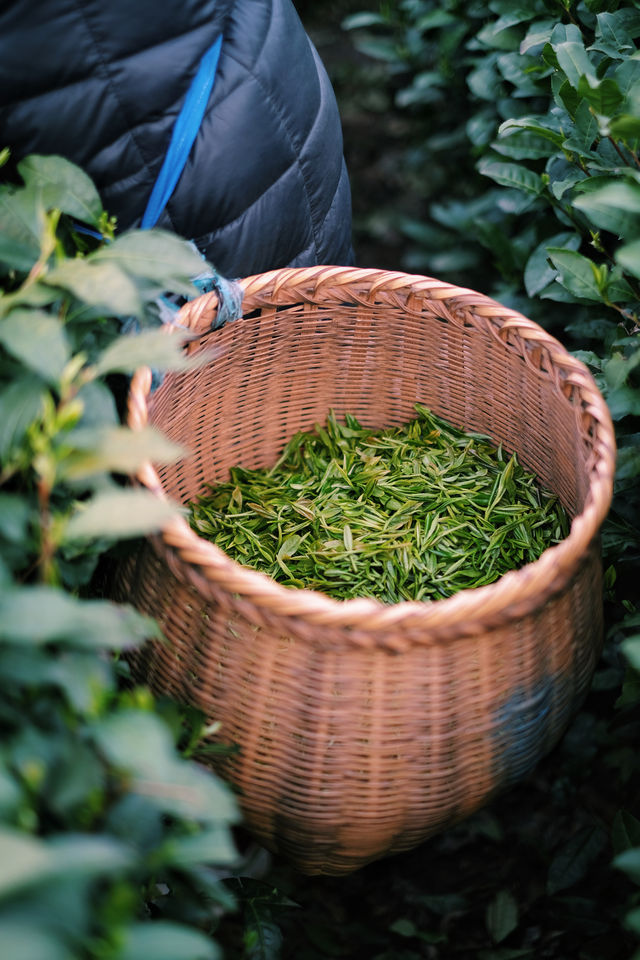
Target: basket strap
(184, 133)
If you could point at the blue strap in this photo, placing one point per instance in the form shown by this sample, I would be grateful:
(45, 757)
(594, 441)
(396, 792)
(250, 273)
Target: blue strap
(184, 133)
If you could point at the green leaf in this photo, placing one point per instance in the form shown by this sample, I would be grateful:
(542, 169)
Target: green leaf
(155, 255)
(98, 405)
(585, 133)
(10, 794)
(403, 927)
(26, 941)
(523, 145)
(289, 547)
(522, 72)
(617, 289)
(625, 832)
(499, 35)
(533, 125)
(484, 82)
(21, 227)
(20, 404)
(502, 916)
(211, 846)
(512, 175)
(117, 514)
(572, 57)
(141, 744)
(627, 76)
(538, 34)
(623, 401)
(538, 273)
(38, 339)
(612, 206)
(576, 273)
(104, 285)
(619, 367)
(625, 127)
(81, 676)
(63, 186)
(629, 863)
(15, 516)
(117, 449)
(356, 21)
(27, 295)
(629, 257)
(164, 940)
(632, 921)
(618, 29)
(480, 128)
(572, 862)
(559, 186)
(603, 95)
(566, 96)
(27, 860)
(628, 461)
(631, 650)
(154, 348)
(77, 772)
(378, 48)
(34, 615)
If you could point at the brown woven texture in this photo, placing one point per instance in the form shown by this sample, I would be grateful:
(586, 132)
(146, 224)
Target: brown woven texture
(363, 728)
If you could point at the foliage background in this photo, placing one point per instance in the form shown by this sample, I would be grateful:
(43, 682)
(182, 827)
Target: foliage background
(111, 839)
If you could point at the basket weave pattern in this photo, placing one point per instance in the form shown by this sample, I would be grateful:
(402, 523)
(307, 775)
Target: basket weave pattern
(363, 728)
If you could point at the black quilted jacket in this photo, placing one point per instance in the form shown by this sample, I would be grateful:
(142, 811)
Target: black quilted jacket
(101, 82)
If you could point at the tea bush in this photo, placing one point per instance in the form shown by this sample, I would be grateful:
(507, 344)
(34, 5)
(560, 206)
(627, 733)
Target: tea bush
(524, 153)
(112, 840)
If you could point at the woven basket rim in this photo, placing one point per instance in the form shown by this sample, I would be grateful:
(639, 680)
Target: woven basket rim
(512, 595)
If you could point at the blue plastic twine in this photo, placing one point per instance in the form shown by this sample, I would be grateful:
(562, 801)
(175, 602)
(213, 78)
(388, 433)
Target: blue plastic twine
(183, 136)
(184, 133)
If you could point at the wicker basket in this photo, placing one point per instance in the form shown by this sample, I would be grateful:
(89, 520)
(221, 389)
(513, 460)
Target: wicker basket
(363, 728)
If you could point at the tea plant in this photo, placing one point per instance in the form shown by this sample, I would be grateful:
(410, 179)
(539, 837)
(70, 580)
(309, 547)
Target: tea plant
(510, 137)
(111, 841)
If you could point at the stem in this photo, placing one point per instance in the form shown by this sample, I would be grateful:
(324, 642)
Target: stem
(569, 14)
(46, 563)
(624, 159)
(626, 315)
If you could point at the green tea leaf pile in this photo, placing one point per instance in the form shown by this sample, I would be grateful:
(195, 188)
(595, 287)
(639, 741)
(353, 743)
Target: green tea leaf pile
(416, 512)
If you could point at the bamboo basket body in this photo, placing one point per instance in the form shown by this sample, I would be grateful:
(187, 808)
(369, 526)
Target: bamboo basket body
(364, 728)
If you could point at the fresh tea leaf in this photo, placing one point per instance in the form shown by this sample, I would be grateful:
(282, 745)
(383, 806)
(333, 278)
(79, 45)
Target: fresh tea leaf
(21, 402)
(155, 255)
(154, 348)
(115, 514)
(21, 226)
(410, 513)
(63, 186)
(502, 916)
(165, 940)
(38, 339)
(35, 615)
(103, 285)
(571, 863)
(625, 832)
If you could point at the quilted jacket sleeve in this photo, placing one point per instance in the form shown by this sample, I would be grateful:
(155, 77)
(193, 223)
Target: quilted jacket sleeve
(265, 183)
